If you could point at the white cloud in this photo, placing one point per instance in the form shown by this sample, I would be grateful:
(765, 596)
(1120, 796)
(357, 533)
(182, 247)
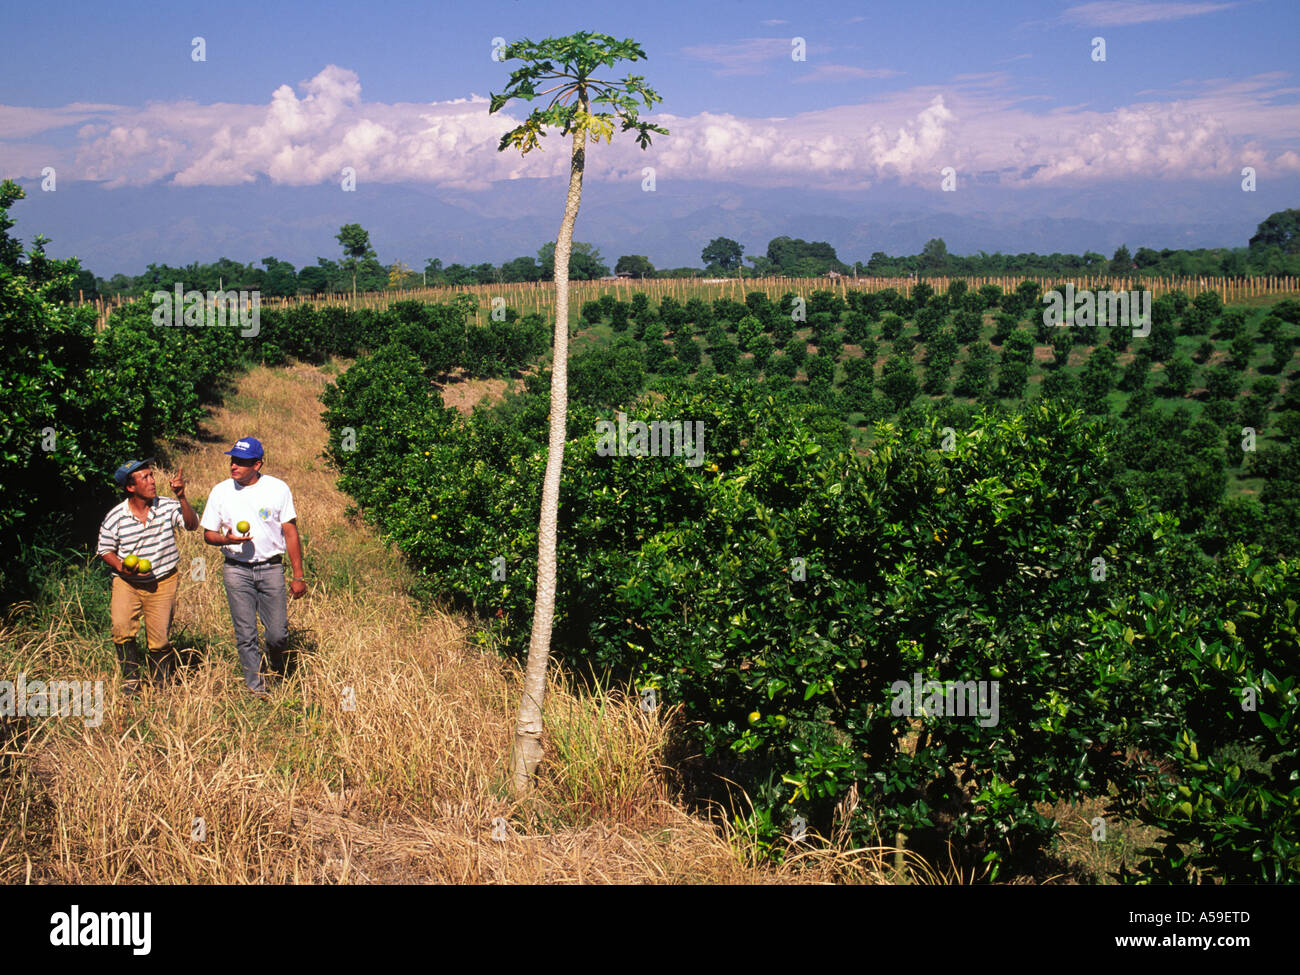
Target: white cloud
(844, 72)
(18, 122)
(1121, 13)
(977, 124)
(741, 57)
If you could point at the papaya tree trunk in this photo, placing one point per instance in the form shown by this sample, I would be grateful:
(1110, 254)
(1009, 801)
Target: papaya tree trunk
(527, 751)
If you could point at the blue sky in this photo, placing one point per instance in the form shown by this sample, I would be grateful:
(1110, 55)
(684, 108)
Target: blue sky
(403, 52)
(889, 94)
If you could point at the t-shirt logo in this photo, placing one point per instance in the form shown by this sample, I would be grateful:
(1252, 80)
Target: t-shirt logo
(264, 513)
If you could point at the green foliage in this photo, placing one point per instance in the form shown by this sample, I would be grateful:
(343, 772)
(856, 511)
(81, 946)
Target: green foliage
(788, 577)
(898, 382)
(1176, 463)
(609, 375)
(1280, 230)
(797, 351)
(728, 312)
(1222, 383)
(955, 565)
(620, 315)
(967, 325)
(1013, 376)
(1135, 373)
(976, 374)
(782, 365)
(687, 351)
(574, 59)
(857, 329)
(723, 253)
(748, 329)
(1099, 377)
(725, 355)
(795, 257)
(635, 264)
(1228, 799)
(762, 350)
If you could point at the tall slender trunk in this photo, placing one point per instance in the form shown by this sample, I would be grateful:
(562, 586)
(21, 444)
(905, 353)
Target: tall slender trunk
(527, 752)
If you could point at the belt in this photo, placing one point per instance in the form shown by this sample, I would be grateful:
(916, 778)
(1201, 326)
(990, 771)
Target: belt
(273, 560)
(138, 581)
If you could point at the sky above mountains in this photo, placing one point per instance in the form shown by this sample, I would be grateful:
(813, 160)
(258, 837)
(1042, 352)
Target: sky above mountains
(829, 121)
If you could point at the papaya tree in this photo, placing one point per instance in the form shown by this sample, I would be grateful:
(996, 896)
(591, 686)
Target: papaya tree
(581, 106)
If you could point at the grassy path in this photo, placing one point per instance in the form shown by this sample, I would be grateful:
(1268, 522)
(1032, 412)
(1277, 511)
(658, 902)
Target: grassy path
(198, 782)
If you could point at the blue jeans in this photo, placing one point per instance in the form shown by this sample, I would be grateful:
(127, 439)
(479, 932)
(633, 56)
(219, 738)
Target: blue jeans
(254, 591)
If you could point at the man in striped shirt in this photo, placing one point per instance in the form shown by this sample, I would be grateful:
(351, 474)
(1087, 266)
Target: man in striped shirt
(144, 525)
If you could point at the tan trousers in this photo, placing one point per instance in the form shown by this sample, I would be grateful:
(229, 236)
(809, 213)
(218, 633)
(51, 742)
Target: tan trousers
(154, 600)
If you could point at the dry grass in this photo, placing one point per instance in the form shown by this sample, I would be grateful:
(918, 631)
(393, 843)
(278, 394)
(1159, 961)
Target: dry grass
(407, 786)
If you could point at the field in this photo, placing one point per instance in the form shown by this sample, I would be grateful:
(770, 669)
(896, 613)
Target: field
(385, 756)
(540, 298)
(404, 789)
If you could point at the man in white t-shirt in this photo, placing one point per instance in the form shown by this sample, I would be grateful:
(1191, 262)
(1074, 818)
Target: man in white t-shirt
(253, 574)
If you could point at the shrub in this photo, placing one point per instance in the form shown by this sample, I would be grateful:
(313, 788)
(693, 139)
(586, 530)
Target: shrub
(968, 325)
(976, 373)
(620, 316)
(1221, 383)
(782, 330)
(725, 355)
(607, 375)
(797, 350)
(1013, 376)
(827, 303)
(727, 310)
(781, 365)
(857, 329)
(1178, 377)
(891, 326)
(748, 329)
(898, 382)
(688, 352)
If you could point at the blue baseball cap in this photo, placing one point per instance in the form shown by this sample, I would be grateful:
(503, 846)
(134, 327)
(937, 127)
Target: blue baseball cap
(129, 468)
(247, 449)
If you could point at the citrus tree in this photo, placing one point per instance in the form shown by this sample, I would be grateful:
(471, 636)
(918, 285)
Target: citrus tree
(581, 106)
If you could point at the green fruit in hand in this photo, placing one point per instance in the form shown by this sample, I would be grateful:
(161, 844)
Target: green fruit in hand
(754, 717)
(243, 527)
(144, 565)
(131, 561)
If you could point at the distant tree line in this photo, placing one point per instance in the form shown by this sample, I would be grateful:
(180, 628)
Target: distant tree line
(1273, 250)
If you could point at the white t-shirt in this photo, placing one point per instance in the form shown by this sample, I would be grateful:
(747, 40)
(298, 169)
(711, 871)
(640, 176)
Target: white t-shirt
(265, 505)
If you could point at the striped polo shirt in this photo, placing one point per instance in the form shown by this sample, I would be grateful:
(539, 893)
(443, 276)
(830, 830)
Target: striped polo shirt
(123, 534)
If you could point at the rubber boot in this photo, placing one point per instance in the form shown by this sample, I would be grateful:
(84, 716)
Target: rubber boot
(128, 655)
